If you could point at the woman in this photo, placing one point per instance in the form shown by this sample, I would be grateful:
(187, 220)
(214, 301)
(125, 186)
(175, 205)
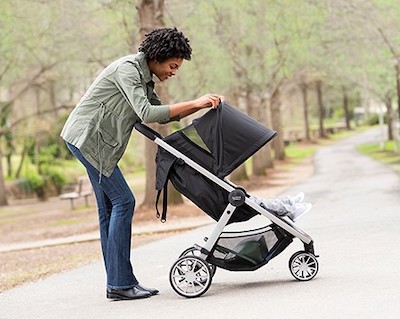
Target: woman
(97, 133)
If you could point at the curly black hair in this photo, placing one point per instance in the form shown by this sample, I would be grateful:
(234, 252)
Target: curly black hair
(164, 43)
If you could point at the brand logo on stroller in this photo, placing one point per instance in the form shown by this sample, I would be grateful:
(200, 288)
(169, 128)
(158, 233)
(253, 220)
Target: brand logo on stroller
(236, 197)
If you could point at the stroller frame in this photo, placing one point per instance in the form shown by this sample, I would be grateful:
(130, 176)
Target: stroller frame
(196, 265)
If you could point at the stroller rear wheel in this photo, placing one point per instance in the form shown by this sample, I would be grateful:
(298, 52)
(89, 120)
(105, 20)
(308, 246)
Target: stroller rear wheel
(303, 265)
(193, 251)
(190, 276)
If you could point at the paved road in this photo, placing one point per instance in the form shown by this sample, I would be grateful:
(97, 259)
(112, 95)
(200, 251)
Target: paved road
(354, 223)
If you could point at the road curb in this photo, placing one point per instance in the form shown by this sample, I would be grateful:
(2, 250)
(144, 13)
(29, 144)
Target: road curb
(150, 228)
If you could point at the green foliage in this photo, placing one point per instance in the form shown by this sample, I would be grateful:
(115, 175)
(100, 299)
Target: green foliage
(37, 184)
(373, 119)
(338, 113)
(388, 155)
(48, 183)
(56, 177)
(375, 148)
(299, 152)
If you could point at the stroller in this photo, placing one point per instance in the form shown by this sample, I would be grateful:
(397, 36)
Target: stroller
(197, 159)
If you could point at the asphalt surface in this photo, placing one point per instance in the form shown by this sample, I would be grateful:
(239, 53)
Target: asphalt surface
(354, 224)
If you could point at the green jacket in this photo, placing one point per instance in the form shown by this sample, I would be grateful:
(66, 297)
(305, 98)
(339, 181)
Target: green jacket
(101, 123)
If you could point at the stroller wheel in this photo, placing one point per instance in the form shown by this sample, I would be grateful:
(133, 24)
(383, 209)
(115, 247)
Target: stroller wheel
(190, 276)
(193, 251)
(303, 266)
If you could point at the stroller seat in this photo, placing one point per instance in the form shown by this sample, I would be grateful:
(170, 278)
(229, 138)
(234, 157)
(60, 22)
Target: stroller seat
(219, 141)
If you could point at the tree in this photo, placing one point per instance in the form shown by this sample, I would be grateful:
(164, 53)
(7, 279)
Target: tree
(361, 37)
(304, 93)
(321, 111)
(257, 76)
(3, 197)
(49, 55)
(346, 107)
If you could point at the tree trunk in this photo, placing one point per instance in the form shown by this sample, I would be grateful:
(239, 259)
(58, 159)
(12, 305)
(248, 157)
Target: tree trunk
(53, 97)
(151, 14)
(3, 197)
(278, 143)
(303, 88)
(269, 161)
(9, 168)
(389, 117)
(259, 158)
(321, 131)
(9, 139)
(21, 162)
(239, 174)
(346, 108)
(261, 161)
(398, 88)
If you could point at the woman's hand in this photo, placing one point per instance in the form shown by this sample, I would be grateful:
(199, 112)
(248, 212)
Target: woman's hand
(209, 100)
(183, 109)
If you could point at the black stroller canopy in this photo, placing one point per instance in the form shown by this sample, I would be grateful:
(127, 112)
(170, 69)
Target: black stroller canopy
(219, 141)
(231, 137)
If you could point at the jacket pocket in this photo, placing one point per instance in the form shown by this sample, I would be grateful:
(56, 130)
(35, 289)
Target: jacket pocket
(107, 138)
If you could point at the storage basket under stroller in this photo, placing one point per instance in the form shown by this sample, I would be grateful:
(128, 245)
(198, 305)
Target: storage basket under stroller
(248, 250)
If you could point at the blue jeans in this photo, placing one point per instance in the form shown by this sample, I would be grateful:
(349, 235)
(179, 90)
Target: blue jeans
(116, 203)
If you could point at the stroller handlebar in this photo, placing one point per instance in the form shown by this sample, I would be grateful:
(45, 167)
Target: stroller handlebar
(147, 131)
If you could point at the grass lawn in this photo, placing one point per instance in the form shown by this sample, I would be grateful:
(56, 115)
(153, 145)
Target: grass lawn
(389, 154)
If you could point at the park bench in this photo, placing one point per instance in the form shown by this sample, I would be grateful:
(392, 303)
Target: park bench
(82, 188)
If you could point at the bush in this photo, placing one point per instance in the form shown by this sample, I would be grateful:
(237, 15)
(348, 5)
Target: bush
(373, 119)
(43, 186)
(56, 177)
(37, 183)
(19, 189)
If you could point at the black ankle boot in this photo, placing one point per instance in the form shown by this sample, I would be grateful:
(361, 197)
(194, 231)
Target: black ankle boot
(127, 294)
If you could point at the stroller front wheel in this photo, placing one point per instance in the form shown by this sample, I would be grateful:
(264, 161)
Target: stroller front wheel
(303, 266)
(190, 276)
(193, 251)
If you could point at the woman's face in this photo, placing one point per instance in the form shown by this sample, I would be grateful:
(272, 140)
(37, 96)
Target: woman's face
(166, 69)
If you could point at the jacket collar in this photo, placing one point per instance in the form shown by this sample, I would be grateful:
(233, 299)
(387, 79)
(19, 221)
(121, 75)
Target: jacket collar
(147, 75)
